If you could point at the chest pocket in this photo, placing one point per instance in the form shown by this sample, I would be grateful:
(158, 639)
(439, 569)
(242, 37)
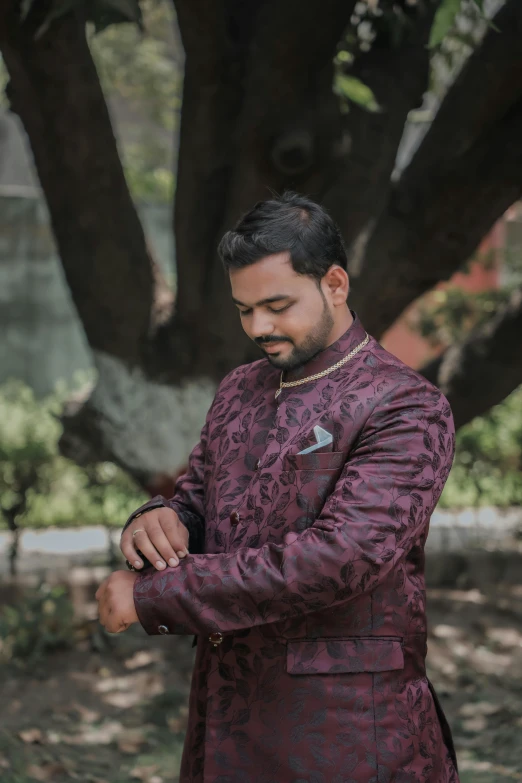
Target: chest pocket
(309, 479)
(328, 460)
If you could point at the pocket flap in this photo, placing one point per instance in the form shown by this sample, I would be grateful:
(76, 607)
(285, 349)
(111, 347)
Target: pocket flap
(316, 460)
(357, 654)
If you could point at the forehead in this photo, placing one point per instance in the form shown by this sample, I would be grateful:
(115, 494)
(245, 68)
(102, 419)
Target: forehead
(270, 276)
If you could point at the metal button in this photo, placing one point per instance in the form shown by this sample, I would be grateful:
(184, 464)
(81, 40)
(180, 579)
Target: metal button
(234, 518)
(163, 629)
(215, 638)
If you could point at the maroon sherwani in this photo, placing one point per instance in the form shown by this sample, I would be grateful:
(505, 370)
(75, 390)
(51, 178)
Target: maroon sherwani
(305, 582)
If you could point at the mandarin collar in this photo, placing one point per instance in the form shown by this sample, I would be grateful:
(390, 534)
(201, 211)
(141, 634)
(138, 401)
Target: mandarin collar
(353, 336)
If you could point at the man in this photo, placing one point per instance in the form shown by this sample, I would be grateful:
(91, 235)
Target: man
(296, 554)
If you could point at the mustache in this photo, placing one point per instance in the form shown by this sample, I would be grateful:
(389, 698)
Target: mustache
(267, 340)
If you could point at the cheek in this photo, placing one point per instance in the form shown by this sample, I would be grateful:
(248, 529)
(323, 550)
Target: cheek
(298, 323)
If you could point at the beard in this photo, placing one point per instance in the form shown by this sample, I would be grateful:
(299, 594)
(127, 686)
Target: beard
(314, 343)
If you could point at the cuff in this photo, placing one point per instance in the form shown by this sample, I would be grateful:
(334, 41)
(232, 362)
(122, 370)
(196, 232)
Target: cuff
(156, 502)
(150, 615)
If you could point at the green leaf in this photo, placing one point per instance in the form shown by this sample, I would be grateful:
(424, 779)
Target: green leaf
(443, 22)
(356, 91)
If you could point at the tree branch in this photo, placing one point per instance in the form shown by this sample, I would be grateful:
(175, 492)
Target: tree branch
(466, 173)
(55, 90)
(485, 368)
(398, 77)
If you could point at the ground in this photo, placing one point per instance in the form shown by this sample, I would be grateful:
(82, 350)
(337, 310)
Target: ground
(113, 709)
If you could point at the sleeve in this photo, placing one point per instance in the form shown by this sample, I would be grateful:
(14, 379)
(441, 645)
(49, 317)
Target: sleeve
(379, 508)
(188, 498)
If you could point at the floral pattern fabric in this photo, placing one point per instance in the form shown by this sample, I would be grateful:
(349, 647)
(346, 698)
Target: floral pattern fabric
(305, 579)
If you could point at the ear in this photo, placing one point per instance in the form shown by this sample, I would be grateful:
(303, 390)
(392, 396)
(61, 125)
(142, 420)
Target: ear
(337, 284)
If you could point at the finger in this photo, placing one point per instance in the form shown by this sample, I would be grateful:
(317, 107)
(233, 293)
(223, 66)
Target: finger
(176, 532)
(143, 542)
(127, 546)
(161, 543)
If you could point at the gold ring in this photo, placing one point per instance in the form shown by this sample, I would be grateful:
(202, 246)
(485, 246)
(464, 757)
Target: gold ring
(139, 530)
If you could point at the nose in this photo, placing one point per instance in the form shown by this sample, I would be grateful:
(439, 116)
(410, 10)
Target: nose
(261, 325)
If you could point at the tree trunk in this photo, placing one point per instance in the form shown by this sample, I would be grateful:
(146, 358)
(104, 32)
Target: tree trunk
(55, 90)
(246, 131)
(120, 296)
(465, 174)
(258, 115)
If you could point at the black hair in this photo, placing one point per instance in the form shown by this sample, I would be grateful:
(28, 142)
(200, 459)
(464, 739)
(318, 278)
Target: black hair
(289, 223)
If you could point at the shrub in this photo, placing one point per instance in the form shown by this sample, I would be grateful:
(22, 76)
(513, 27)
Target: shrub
(39, 487)
(39, 624)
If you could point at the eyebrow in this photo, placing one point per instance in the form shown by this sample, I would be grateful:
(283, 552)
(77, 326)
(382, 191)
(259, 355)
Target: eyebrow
(268, 300)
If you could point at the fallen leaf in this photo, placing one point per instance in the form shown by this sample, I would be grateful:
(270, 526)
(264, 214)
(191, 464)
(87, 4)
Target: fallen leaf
(130, 741)
(474, 709)
(30, 736)
(88, 716)
(139, 659)
(45, 771)
(143, 773)
(476, 724)
(175, 725)
(99, 735)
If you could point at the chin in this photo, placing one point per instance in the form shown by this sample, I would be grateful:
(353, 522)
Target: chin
(282, 362)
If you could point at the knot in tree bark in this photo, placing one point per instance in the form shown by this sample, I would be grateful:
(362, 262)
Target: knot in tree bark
(293, 152)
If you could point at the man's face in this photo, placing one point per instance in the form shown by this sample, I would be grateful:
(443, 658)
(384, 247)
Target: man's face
(286, 314)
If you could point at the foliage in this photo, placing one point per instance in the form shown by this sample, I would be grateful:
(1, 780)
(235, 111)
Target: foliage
(352, 89)
(446, 19)
(448, 315)
(141, 76)
(458, 28)
(36, 626)
(39, 486)
(488, 463)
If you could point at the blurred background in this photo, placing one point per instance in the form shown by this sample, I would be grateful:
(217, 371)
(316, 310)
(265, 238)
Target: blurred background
(133, 133)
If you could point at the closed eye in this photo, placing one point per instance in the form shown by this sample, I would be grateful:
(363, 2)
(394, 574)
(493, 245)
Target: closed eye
(271, 309)
(281, 309)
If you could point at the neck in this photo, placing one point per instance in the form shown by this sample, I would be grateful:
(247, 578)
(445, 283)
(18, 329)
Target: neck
(341, 326)
(346, 334)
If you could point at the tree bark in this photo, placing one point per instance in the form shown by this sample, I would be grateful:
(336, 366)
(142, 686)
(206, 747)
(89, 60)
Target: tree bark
(485, 368)
(121, 299)
(55, 90)
(398, 76)
(258, 116)
(465, 174)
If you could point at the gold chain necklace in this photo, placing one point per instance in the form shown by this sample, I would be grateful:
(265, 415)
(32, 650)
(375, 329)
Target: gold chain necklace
(285, 385)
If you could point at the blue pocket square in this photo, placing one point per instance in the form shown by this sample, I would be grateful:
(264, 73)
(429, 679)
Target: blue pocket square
(323, 438)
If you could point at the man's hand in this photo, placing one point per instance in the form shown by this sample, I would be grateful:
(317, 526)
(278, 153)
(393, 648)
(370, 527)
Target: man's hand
(115, 598)
(160, 537)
